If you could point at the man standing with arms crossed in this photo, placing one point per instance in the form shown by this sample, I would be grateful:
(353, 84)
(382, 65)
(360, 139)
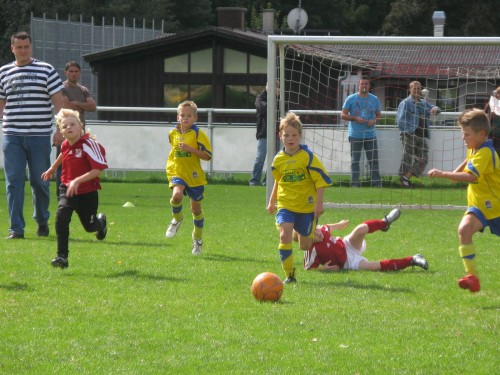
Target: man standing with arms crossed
(28, 89)
(76, 97)
(362, 109)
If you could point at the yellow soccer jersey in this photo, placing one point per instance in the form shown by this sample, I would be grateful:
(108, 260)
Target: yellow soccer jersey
(298, 177)
(484, 163)
(186, 165)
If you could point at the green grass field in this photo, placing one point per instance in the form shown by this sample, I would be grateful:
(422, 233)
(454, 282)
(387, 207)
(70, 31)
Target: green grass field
(138, 303)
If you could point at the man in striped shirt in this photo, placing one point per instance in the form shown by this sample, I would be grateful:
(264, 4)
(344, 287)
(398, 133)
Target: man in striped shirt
(28, 89)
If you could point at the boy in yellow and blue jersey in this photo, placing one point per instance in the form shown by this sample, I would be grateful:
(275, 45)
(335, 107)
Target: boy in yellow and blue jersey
(299, 182)
(184, 172)
(481, 170)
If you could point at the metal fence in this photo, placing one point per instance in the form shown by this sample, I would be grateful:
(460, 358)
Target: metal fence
(59, 41)
(144, 145)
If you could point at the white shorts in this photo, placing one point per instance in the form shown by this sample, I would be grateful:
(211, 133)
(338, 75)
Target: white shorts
(354, 256)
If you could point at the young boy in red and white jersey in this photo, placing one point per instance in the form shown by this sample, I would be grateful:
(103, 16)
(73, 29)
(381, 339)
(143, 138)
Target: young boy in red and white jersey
(82, 160)
(481, 170)
(330, 253)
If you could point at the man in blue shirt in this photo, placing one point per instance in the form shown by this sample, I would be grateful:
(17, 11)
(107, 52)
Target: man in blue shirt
(362, 110)
(413, 119)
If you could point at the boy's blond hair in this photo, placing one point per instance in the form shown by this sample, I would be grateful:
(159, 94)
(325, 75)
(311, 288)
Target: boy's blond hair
(188, 103)
(475, 119)
(291, 119)
(65, 113)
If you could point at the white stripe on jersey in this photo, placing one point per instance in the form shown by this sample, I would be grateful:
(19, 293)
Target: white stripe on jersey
(27, 91)
(92, 149)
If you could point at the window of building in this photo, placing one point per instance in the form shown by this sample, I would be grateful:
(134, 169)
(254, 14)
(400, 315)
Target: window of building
(258, 64)
(201, 61)
(393, 96)
(447, 99)
(238, 96)
(476, 101)
(174, 94)
(176, 64)
(235, 61)
(242, 62)
(194, 62)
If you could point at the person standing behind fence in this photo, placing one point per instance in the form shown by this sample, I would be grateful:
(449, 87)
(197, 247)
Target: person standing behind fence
(28, 89)
(185, 175)
(362, 110)
(261, 135)
(493, 110)
(76, 97)
(413, 119)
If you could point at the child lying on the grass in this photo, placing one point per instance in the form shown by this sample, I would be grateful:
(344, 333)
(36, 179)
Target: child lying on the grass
(330, 253)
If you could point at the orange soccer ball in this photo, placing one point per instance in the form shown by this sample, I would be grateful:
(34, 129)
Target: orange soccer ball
(267, 287)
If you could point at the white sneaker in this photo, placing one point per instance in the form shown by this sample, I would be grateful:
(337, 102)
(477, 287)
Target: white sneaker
(173, 228)
(197, 247)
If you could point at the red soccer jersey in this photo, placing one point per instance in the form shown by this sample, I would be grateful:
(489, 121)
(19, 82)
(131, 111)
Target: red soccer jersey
(330, 249)
(80, 158)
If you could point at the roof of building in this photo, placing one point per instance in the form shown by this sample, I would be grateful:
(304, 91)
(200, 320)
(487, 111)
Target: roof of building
(247, 37)
(398, 60)
(432, 60)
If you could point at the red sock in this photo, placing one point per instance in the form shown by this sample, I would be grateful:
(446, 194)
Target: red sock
(374, 225)
(395, 264)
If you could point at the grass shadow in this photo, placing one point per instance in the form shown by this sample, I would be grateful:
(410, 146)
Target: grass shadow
(355, 285)
(18, 287)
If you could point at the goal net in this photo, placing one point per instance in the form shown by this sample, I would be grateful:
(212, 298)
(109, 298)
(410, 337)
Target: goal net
(317, 74)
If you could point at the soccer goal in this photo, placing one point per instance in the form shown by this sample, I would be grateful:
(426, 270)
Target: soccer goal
(317, 74)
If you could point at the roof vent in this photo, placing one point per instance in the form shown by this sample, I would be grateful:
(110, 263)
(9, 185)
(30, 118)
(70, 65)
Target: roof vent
(233, 17)
(438, 17)
(267, 21)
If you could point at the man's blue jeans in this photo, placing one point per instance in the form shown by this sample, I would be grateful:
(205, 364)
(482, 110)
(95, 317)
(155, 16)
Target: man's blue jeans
(19, 151)
(371, 150)
(259, 161)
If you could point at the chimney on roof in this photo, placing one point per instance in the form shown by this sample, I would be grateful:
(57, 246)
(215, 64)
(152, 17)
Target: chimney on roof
(438, 17)
(268, 21)
(233, 17)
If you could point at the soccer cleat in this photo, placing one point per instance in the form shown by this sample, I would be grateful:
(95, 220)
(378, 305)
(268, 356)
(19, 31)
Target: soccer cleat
(173, 228)
(290, 278)
(405, 182)
(101, 233)
(470, 282)
(419, 261)
(391, 218)
(197, 244)
(43, 230)
(60, 262)
(14, 236)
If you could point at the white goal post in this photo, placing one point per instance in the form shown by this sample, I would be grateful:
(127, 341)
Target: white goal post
(317, 73)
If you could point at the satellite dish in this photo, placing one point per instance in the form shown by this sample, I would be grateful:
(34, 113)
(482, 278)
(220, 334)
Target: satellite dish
(297, 19)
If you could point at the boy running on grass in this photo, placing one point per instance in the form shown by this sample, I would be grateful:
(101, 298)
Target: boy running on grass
(299, 182)
(184, 172)
(83, 160)
(330, 253)
(481, 170)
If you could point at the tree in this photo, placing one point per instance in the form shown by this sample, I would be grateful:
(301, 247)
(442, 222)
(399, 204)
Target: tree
(409, 18)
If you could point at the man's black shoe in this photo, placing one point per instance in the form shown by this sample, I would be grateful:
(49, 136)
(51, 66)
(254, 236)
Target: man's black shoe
(43, 230)
(60, 262)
